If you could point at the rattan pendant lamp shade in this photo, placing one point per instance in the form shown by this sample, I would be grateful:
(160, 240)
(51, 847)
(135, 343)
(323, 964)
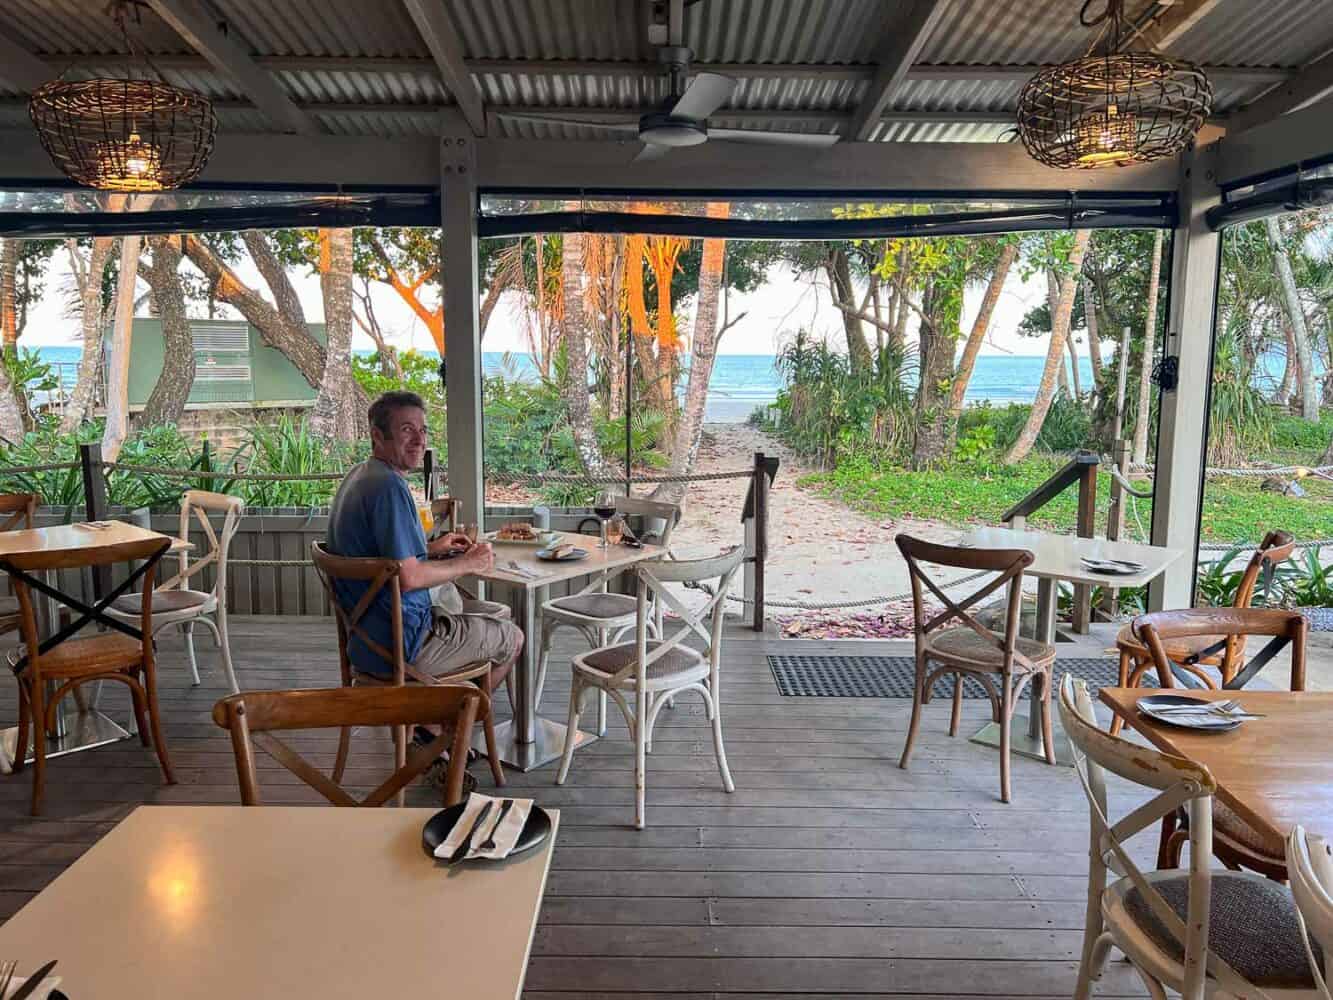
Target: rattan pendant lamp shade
(1114, 108)
(132, 135)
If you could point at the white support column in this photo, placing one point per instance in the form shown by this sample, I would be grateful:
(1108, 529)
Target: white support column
(1182, 434)
(462, 328)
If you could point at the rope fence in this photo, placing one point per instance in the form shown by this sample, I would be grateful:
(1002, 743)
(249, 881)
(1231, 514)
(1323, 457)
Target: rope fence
(21, 470)
(697, 477)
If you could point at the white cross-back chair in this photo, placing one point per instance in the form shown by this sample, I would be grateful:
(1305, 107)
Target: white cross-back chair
(651, 671)
(604, 618)
(1310, 868)
(175, 602)
(1199, 932)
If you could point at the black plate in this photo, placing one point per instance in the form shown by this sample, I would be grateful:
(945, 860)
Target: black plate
(436, 830)
(575, 556)
(1223, 725)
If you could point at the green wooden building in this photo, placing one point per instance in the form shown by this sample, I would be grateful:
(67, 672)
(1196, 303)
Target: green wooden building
(234, 368)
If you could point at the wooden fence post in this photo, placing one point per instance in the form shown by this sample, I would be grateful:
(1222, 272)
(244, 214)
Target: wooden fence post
(428, 467)
(1087, 527)
(761, 535)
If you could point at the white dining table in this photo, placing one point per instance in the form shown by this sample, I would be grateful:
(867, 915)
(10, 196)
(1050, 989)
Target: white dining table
(271, 903)
(1055, 558)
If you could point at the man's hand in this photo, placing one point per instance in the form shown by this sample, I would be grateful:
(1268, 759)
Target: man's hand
(480, 558)
(448, 544)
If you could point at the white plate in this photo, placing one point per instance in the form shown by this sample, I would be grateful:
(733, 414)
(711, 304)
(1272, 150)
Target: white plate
(536, 543)
(41, 993)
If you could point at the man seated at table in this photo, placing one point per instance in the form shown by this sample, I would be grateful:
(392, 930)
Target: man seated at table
(375, 516)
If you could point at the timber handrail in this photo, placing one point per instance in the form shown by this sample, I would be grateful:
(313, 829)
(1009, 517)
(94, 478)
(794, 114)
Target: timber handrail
(1082, 466)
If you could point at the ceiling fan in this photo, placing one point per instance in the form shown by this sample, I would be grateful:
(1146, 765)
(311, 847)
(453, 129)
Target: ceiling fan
(682, 119)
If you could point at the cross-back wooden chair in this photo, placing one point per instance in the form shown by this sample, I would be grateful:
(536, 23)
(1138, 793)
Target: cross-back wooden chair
(17, 512)
(383, 575)
(969, 649)
(1192, 932)
(253, 717)
(69, 663)
(176, 601)
(1189, 654)
(653, 670)
(1235, 843)
(603, 618)
(1310, 862)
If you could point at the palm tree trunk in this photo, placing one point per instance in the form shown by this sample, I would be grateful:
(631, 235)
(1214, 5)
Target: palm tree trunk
(1064, 308)
(1288, 383)
(1140, 450)
(10, 248)
(1296, 317)
(118, 368)
(1094, 335)
(11, 416)
(844, 293)
(980, 326)
(80, 403)
(166, 402)
(573, 279)
(1073, 366)
(336, 414)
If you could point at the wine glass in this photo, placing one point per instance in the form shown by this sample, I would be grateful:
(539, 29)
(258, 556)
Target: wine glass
(469, 531)
(604, 506)
(615, 530)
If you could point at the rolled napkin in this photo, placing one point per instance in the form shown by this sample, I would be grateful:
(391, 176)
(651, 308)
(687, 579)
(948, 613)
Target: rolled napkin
(504, 824)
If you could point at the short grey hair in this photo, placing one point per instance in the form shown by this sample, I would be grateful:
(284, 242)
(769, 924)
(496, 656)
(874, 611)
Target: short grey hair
(381, 411)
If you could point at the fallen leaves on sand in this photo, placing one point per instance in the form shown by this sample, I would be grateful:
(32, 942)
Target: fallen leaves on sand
(894, 621)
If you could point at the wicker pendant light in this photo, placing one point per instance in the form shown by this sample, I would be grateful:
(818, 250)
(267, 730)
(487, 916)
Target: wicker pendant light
(133, 135)
(1114, 108)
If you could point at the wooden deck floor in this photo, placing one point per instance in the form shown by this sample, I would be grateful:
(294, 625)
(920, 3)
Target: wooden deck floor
(828, 872)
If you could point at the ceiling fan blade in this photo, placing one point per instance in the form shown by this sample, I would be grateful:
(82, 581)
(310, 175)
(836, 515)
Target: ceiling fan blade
(651, 151)
(706, 93)
(629, 125)
(773, 138)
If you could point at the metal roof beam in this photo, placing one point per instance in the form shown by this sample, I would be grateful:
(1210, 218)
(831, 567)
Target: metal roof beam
(440, 36)
(1313, 84)
(1176, 18)
(902, 39)
(203, 34)
(20, 67)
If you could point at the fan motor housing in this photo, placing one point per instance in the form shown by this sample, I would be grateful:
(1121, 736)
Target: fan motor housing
(663, 130)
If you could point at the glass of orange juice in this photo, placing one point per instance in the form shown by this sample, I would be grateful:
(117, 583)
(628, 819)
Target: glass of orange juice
(427, 517)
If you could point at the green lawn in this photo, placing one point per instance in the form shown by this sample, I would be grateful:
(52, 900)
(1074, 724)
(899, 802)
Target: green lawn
(1233, 509)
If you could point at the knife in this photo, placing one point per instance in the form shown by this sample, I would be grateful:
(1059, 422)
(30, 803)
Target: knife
(32, 982)
(466, 845)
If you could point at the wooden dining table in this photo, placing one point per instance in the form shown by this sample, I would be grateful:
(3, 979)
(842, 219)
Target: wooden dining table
(530, 740)
(1274, 772)
(275, 902)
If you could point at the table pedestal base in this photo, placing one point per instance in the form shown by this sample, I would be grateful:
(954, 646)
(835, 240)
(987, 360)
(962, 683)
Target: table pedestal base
(1023, 743)
(548, 745)
(79, 731)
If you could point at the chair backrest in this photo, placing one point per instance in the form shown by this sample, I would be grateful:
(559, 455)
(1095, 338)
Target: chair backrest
(1276, 548)
(714, 572)
(1236, 624)
(446, 511)
(667, 513)
(17, 511)
(1008, 564)
(377, 575)
(253, 717)
(199, 504)
(1178, 782)
(1310, 870)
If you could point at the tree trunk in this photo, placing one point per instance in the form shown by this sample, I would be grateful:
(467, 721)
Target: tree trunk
(118, 370)
(934, 416)
(573, 278)
(1140, 450)
(1296, 317)
(336, 414)
(1288, 384)
(1094, 335)
(282, 328)
(980, 326)
(10, 248)
(703, 352)
(1064, 308)
(11, 416)
(1073, 366)
(844, 294)
(80, 404)
(166, 403)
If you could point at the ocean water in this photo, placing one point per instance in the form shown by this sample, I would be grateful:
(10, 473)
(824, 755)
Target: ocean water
(742, 382)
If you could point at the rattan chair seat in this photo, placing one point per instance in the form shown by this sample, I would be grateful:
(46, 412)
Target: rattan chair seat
(964, 645)
(605, 606)
(164, 602)
(611, 659)
(98, 654)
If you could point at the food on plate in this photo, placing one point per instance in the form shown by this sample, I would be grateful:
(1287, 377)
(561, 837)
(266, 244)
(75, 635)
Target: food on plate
(561, 551)
(517, 532)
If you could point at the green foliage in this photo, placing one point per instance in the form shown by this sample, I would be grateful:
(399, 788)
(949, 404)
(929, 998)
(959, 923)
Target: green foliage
(976, 446)
(421, 374)
(287, 448)
(1241, 421)
(27, 369)
(1311, 582)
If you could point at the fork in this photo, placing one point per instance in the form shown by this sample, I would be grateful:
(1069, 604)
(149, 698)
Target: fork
(1223, 707)
(489, 844)
(7, 970)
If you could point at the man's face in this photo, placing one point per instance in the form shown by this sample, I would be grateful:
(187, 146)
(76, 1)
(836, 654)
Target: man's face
(405, 444)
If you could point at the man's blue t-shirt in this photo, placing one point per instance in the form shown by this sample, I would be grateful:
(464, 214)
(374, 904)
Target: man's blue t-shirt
(374, 516)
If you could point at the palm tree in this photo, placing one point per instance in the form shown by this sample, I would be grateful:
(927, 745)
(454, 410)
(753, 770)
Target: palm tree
(1140, 449)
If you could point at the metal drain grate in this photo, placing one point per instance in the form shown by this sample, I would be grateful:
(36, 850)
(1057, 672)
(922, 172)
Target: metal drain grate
(894, 676)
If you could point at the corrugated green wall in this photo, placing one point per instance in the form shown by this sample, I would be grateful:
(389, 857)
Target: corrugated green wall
(275, 378)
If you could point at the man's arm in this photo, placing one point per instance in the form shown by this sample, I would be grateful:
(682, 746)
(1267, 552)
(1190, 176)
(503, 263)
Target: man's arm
(422, 574)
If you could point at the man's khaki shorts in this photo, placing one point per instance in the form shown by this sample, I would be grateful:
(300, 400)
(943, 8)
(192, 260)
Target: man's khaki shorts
(459, 641)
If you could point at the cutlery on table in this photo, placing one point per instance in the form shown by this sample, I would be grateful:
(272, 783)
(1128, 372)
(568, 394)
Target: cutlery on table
(466, 845)
(489, 843)
(7, 970)
(32, 982)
